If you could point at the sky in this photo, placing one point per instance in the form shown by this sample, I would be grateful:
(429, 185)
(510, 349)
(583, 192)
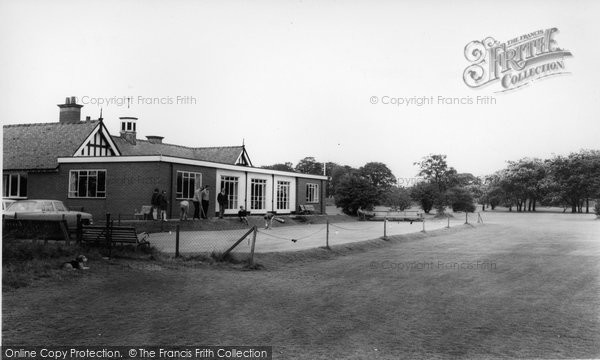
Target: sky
(292, 79)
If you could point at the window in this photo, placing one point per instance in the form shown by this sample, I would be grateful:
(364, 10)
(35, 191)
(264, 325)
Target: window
(258, 191)
(14, 185)
(312, 193)
(187, 183)
(283, 195)
(87, 184)
(230, 184)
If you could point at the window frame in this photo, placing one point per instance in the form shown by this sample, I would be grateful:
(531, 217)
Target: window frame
(253, 198)
(312, 193)
(179, 195)
(287, 196)
(21, 187)
(231, 182)
(73, 194)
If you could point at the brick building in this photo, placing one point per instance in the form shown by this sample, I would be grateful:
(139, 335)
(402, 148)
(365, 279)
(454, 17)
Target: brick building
(82, 164)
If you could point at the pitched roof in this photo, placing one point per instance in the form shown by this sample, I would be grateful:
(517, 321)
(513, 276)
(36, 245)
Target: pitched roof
(222, 154)
(36, 146)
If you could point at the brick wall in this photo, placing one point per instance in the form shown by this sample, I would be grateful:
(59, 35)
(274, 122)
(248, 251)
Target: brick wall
(301, 193)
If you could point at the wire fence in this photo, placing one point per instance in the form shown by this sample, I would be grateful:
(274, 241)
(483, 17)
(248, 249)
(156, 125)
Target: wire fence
(295, 237)
(246, 240)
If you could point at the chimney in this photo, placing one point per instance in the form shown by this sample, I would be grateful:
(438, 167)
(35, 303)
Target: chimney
(155, 139)
(128, 129)
(70, 111)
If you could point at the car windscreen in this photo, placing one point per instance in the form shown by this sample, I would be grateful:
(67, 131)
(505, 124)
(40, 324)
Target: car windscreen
(21, 206)
(59, 206)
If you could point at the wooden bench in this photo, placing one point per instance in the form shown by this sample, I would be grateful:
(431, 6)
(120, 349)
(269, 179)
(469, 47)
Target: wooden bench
(144, 214)
(119, 234)
(306, 209)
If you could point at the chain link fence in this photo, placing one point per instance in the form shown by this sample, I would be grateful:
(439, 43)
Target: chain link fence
(295, 237)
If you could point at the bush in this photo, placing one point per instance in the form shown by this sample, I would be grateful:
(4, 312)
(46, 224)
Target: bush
(461, 200)
(354, 192)
(397, 198)
(425, 194)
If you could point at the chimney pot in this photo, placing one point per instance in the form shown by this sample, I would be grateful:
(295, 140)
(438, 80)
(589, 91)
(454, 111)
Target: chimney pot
(70, 111)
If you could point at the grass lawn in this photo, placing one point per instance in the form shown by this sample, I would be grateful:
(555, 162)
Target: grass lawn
(528, 287)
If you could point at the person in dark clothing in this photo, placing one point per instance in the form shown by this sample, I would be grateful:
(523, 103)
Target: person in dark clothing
(243, 215)
(155, 203)
(222, 200)
(164, 203)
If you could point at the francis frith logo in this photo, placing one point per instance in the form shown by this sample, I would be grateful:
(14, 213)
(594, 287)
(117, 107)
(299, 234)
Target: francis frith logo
(516, 62)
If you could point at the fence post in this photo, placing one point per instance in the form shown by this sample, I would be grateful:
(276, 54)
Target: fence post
(327, 236)
(177, 241)
(423, 224)
(448, 227)
(385, 228)
(466, 217)
(252, 248)
(108, 235)
(79, 232)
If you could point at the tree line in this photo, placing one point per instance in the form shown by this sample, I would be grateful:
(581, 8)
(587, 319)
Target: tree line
(566, 181)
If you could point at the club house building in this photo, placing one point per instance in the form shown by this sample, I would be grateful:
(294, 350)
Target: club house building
(82, 164)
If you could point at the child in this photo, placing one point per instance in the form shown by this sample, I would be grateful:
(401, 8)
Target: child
(242, 214)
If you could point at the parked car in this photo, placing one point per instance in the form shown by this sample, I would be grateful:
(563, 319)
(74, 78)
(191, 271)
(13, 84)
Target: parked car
(6, 203)
(46, 210)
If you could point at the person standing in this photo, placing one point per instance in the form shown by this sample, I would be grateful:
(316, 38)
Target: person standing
(222, 200)
(205, 195)
(155, 204)
(196, 201)
(164, 203)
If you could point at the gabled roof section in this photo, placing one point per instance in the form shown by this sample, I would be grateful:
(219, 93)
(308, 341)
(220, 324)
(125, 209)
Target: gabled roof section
(222, 154)
(243, 159)
(37, 146)
(98, 143)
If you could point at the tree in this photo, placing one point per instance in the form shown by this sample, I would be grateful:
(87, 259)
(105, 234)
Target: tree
(434, 168)
(288, 166)
(461, 199)
(309, 165)
(397, 198)
(436, 171)
(380, 176)
(424, 193)
(354, 192)
(336, 173)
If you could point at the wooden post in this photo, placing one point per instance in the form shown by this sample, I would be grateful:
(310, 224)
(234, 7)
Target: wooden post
(327, 235)
(466, 217)
(448, 222)
(79, 229)
(385, 228)
(423, 225)
(177, 241)
(108, 235)
(252, 248)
